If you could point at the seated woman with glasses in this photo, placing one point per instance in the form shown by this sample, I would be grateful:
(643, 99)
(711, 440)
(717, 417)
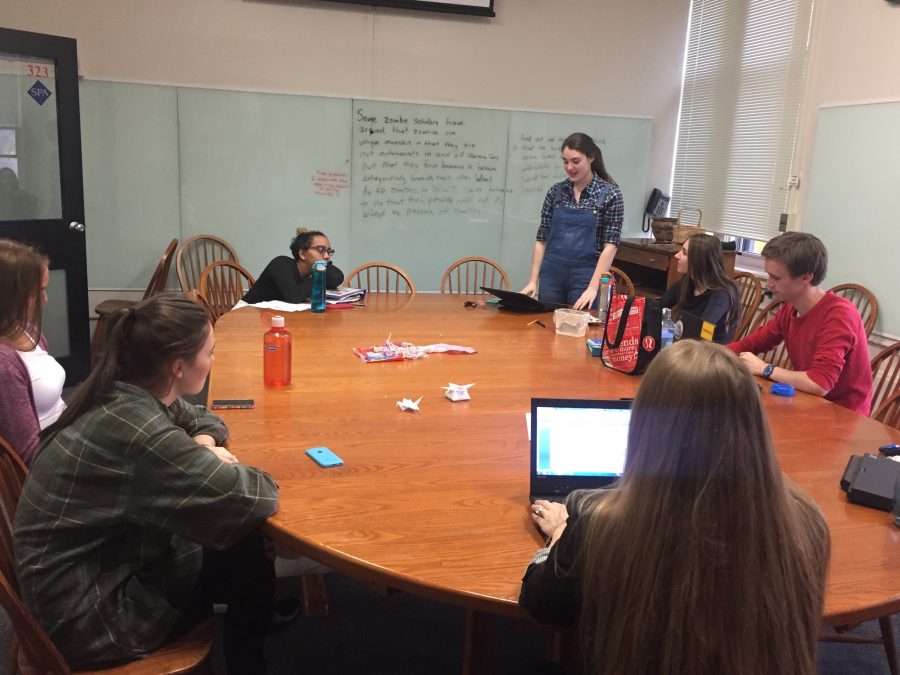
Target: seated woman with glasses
(705, 558)
(290, 279)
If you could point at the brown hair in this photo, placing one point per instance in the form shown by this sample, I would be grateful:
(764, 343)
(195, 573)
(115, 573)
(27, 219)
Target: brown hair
(707, 560)
(586, 146)
(141, 342)
(303, 241)
(706, 270)
(801, 252)
(21, 272)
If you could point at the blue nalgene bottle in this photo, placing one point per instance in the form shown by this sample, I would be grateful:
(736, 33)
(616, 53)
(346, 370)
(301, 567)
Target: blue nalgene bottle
(317, 297)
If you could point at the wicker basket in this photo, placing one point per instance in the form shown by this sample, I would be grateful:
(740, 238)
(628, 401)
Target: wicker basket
(684, 232)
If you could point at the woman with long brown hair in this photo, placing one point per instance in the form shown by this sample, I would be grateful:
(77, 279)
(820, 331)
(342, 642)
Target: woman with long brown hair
(705, 290)
(30, 378)
(705, 559)
(134, 519)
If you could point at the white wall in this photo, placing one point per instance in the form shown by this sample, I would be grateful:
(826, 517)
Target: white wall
(579, 56)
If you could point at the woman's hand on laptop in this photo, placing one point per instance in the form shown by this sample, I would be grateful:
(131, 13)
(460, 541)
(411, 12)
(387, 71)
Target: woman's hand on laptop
(550, 517)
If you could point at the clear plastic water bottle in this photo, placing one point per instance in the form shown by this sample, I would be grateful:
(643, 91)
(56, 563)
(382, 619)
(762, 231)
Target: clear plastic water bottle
(277, 354)
(317, 297)
(603, 297)
(667, 334)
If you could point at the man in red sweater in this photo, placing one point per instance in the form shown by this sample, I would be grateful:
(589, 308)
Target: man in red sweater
(822, 332)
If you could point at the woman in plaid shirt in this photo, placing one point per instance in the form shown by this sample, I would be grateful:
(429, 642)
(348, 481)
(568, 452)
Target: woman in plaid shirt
(134, 518)
(581, 223)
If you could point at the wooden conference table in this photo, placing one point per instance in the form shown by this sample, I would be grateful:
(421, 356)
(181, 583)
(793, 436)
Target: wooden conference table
(434, 502)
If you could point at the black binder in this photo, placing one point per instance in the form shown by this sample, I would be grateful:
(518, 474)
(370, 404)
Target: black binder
(870, 481)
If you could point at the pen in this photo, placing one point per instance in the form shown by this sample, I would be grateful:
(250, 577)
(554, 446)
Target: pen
(538, 322)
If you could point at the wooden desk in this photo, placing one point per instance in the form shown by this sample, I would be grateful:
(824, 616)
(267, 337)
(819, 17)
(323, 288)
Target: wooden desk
(653, 266)
(434, 503)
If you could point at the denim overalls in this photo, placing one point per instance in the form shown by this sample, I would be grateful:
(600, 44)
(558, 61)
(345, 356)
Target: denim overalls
(571, 255)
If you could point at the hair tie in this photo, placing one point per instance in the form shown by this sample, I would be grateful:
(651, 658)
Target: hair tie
(131, 313)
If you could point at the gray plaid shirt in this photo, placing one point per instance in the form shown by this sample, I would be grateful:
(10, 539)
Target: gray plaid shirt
(113, 517)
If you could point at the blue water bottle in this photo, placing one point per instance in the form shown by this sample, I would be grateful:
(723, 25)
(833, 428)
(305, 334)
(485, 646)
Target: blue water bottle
(317, 297)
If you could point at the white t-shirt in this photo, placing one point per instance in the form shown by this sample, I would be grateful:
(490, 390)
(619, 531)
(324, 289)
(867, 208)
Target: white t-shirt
(47, 381)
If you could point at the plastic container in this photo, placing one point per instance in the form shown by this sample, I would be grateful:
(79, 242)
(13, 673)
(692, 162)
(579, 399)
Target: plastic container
(277, 354)
(317, 296)
(667, 332)
(571, 322)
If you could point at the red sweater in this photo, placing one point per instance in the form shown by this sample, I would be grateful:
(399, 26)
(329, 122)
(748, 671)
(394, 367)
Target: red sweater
(829, 343)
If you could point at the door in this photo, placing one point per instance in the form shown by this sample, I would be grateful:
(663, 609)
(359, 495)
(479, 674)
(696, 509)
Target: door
(41, 191)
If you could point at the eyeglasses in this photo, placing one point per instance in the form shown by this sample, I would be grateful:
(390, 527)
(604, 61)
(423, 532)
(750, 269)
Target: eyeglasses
(321, 249)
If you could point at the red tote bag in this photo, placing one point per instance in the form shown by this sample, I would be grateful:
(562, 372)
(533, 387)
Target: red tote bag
(632, 333)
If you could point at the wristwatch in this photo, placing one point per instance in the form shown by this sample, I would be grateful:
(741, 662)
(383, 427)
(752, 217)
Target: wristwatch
(767, 371)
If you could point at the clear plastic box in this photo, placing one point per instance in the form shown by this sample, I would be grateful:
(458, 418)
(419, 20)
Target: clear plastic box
(572, 322)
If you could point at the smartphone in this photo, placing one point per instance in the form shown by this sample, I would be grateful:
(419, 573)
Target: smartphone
(324, 457)
(230, 403)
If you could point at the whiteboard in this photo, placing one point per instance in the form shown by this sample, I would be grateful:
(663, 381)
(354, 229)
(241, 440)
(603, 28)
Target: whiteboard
(416, 185)
(854, 198)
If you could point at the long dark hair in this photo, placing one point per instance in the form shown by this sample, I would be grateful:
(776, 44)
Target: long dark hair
(586, 146)
(706, 271)
(21, 271)
(707, 559)
(140, 344)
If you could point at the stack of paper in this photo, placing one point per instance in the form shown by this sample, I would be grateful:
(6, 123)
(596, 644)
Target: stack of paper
(343, 294)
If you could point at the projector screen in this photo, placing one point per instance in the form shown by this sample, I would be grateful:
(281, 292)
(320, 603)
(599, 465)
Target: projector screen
(479, 7)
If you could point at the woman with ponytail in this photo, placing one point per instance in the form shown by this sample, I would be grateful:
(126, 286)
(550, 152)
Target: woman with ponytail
(134, 518)
(705, 559)
(581, 223)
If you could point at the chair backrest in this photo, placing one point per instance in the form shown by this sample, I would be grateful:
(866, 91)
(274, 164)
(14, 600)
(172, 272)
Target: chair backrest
(889, 411)
(777, 356)
(222, 284)
(12, 475)
(35, 652)
(863, 300)
(623, 281)
(467, 275)
(161, 275)
(750, 291)
(381, 277)
(885, 374)
(198, 253)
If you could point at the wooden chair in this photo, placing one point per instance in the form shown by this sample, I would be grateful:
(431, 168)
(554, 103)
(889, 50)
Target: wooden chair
(885, 374)
(889, 411)
(750, 290)
(31, 650)
(198, 253)
(467, 275)
(108, 307)
(778, 355)
(381, 277)
(863, 300)
(622, 281)
(222, 284)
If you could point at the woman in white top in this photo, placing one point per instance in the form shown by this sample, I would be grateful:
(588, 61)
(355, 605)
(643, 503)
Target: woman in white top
(31, 380)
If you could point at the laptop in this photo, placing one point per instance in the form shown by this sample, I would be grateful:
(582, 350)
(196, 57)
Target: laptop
(519, 302)
(694, 328)
(576, 444)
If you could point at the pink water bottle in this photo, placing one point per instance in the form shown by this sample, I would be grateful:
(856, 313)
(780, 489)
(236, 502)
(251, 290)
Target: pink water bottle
(277, 354)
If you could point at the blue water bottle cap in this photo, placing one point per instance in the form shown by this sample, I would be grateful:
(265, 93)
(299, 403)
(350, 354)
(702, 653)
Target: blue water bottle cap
(781, 389)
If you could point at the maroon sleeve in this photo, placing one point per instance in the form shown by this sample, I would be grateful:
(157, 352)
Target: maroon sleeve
(18, 417)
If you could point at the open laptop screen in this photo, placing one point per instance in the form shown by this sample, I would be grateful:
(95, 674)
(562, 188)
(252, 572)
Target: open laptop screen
(577, 443)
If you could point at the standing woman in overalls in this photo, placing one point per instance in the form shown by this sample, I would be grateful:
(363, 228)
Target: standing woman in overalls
(581, 223)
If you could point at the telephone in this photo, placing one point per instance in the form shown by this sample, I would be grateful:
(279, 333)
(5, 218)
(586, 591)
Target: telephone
(656, 207)
(657, 204)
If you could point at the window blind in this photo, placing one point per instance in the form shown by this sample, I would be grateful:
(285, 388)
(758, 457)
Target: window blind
(744, 68)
